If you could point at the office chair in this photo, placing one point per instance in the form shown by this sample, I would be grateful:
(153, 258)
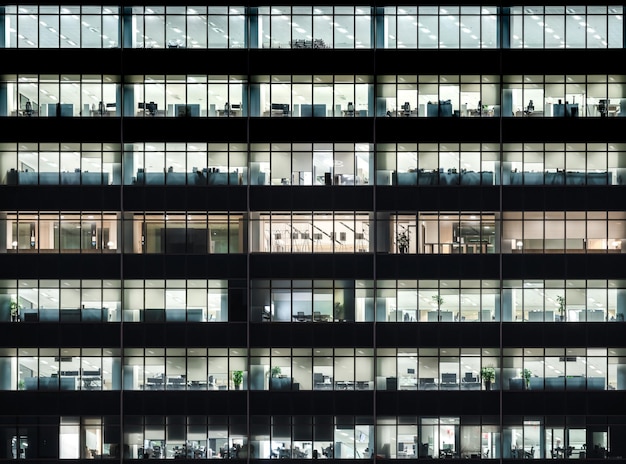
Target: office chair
(300, 316)
(350, 111)
(29, 108)
(406, 108)
(530, 454)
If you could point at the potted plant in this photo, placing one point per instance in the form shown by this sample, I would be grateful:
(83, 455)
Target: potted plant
(339, 311)
(402, 240)
(561, 301)
(488, 375)
(275, 372)
(21, 385)
(527, 374)
(237, 379)
(15, 311)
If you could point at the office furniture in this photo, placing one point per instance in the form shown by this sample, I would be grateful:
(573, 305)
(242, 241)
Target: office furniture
(53, 383)
(278, 109)
(175, 314)
(230, 110)
(306, 43)
(319, 317)
(195, 315)
(59, 110)
(565, 110)
(149, 108)
(344, 385)
(440, 316)
(427, 383)
(322, 382)
(559, 178)
(48, 314)
(517, 383)
(155, 383)
(408, 383)
(442, 109)
(187, 110)
(317, 110)
(448, 382)
(150, 178)
(29, 315)
(70, 315)
(596, 383)
(592, 315)
(90, 380)
(437, 177)
(56, 178)
(539, 316)
(470, 385)
(176, 383)
(350, 111)
(154, 315)
(222, 178)
(406, 178)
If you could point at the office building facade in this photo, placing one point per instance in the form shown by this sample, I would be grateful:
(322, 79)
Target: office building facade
(345, 231)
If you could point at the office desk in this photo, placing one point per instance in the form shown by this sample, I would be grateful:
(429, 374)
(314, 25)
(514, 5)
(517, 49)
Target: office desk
(540, 316)
(155, 383)
(56, 178)
(408, 383)
(344, 385)
(470, 385)
(301, 317)
(592, 315)
(91, 383)
(448, 386)
(229, 113)
(440, 316)
(176, 383)
(281, 383)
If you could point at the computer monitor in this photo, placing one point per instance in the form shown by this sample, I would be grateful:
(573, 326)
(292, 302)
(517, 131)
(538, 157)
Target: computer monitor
(150, 107)
(448, 378)
(284, 107)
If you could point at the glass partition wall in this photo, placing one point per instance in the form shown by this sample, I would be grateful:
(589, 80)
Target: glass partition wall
(331, 437)
(61, 164)
(313, 96)
(406, 301)
(318, 369)
(196, 95)
(314, 27)
(189, 27)
(411, 301)
(572, 26)
(65, 95)
(67, 26)
(318, 164)
(64, 232)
